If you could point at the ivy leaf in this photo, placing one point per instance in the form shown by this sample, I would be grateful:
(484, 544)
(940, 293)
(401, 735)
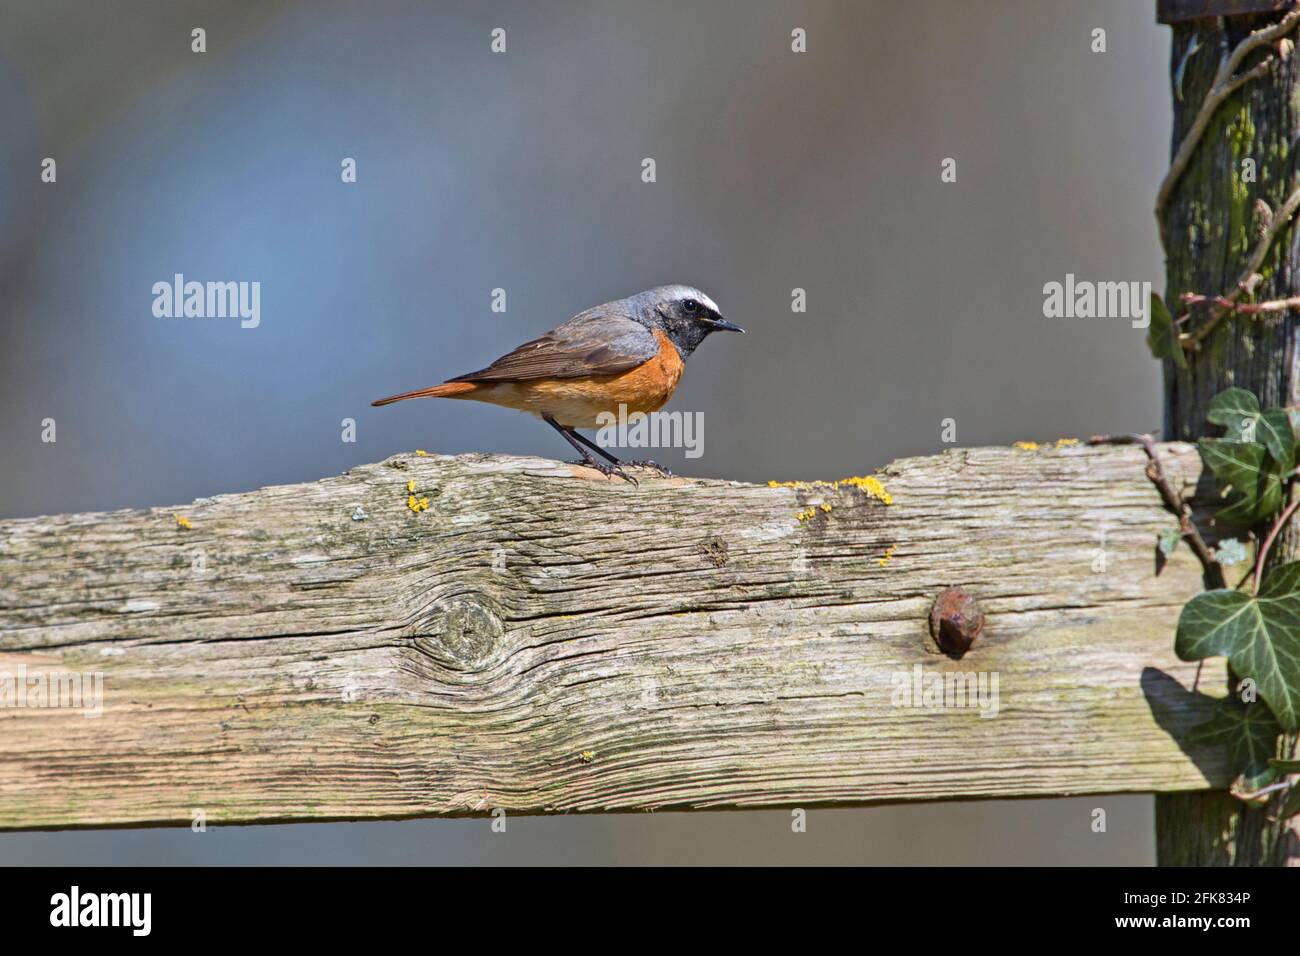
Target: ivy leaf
(1259, 635)
(1168, 540)
(1162, 339)
(1274, 430)
(1249, 732)
(1238, 411)
(1244, 468)
(1233, 408)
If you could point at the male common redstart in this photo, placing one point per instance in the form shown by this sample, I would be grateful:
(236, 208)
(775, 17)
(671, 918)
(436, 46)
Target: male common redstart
(630, 352)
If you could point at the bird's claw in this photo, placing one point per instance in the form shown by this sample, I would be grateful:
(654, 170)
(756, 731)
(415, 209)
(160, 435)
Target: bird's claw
(605, 469)
(611, 470)
(652, 465)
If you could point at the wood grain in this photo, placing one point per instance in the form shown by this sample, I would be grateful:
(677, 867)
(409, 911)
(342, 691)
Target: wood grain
(542, 639)
(1212, 220)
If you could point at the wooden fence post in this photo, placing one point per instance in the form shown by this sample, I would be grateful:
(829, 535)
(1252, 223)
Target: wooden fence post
(1211, 221)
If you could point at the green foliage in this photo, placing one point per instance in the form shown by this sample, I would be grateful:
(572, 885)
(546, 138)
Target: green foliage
(1231, 408)
(1252, 460)
(1246, 472)
(1162, 339)
(1258, 634)
(1257, 631)
(1238, 411)
(1249, 733)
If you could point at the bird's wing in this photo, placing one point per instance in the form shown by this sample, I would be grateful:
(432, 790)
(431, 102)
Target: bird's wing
(586, 345)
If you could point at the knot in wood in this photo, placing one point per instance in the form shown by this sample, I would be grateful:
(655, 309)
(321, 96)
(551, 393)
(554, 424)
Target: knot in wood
(714, 550)
(468, 630)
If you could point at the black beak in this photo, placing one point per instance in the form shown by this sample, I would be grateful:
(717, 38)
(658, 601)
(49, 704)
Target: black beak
(725, 326)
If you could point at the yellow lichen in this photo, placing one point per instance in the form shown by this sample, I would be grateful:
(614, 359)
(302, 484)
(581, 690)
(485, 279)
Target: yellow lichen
(889, 553)
(1066, 442)
(421, 453)
(415, 504)
(867, 484)
(1026, 445)
(587, 756)
(805, 514)
(183, 522)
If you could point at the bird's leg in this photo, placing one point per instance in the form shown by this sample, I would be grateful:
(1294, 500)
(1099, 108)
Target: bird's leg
(576, 442)
(596, 448)
(593, 446)
(610, 468)
(653, 465)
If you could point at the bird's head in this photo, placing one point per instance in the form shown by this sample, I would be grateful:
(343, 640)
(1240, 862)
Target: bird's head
(684, 314)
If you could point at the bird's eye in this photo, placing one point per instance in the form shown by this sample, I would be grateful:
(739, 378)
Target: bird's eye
(690, 305)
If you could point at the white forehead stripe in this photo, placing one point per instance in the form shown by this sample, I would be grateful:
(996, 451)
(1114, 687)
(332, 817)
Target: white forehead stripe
(707, 301)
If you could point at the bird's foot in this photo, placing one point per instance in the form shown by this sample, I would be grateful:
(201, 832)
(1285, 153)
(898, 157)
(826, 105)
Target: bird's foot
(609, 470)
(605, 469)
(652, 465)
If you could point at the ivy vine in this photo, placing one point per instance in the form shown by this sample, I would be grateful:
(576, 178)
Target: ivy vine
(1256, 624)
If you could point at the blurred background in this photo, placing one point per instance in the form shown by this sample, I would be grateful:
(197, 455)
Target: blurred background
(522, 171)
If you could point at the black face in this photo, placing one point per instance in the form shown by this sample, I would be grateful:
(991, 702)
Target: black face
(687, 322)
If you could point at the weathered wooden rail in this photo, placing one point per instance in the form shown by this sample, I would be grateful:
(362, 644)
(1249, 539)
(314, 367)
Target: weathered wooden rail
(540, 639)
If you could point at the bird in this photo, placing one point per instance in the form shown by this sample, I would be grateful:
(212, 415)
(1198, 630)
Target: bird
(628, 352)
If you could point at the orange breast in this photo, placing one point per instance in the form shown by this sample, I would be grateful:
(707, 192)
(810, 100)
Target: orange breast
(648, 387)
(578, 402)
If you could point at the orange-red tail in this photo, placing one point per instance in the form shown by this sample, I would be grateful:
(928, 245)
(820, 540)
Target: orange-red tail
(449, 390)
